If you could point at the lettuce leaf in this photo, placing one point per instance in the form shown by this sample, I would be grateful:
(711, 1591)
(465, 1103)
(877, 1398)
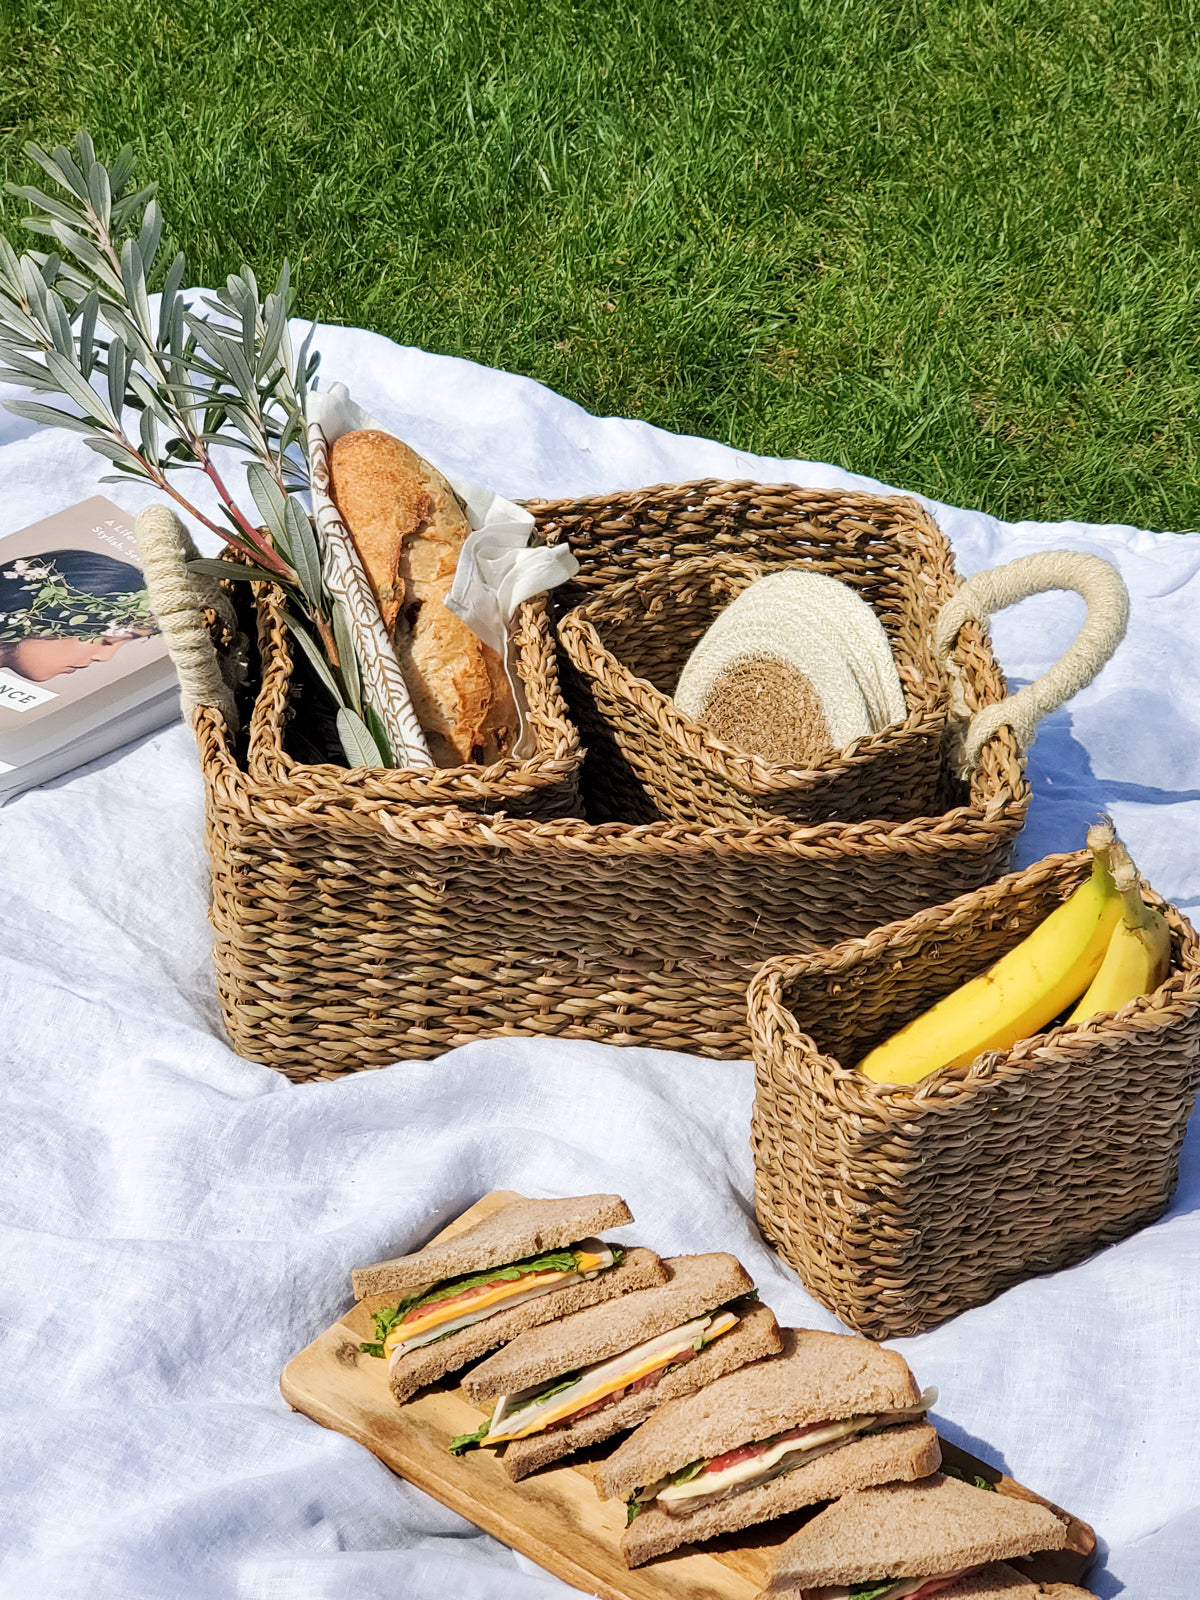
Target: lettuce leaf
(871, 1591)
(692, 1470)
(976, 1482)
(633, 1508)
(385, 1320)
(466, 1441)
(556, 1386)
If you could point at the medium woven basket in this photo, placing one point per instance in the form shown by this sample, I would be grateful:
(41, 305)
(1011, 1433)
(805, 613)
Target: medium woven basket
(901, 1206)
(624, 651)
(543, 784)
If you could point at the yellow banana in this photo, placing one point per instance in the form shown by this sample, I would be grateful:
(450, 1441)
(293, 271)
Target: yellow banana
(1139, 951)
(1022, 992)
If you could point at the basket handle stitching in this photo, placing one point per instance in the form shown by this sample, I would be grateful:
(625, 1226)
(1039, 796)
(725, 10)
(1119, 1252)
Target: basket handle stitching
(1101, 586)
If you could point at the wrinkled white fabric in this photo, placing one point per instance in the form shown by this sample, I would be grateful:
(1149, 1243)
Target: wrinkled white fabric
(178, 1222)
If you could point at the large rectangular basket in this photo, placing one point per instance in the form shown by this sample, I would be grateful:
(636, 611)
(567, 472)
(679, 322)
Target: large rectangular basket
(900, 1206)
(352, 930)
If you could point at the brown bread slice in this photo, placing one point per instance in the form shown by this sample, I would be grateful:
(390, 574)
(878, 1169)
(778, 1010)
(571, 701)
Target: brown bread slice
(819, 1377)
(641, 1269)
(523, 1228)
(912, 1530)
(1001, 1582)
(756, 1336)
(696, 1284)
(905, 1452)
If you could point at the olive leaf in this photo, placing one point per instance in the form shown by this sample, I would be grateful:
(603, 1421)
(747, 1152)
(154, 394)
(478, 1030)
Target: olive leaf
(199, 377)
(361, 750)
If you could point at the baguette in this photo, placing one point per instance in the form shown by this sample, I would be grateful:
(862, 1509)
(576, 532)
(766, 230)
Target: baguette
(409, 527)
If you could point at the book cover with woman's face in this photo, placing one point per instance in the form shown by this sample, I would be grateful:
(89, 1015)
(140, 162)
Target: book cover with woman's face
(74, 615)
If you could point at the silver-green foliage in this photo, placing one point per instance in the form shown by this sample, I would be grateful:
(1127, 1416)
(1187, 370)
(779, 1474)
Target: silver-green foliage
(76, 323)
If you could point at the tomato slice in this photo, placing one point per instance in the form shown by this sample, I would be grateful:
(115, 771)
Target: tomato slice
(465, 1296)
(747, 1452)
(635, 1387)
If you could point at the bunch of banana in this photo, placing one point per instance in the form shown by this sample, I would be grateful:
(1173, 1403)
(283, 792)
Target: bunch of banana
(1103, 947)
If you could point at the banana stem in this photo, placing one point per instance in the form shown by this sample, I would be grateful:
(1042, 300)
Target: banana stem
(1135, 913)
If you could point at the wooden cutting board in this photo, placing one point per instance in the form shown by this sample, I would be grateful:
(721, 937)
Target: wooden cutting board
(556, 1517)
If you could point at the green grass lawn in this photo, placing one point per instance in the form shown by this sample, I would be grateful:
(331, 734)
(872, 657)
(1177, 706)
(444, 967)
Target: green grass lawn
(955, 246)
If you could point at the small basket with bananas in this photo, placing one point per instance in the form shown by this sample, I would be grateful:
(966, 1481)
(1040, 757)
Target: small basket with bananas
(989, 1089)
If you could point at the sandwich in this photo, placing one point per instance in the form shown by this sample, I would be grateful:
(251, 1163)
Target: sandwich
(829, 1414)
(913, 1541)
(531, 1262)
(589, 1376)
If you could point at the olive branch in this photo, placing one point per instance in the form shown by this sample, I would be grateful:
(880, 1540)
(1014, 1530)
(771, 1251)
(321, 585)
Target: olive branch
(76, 323)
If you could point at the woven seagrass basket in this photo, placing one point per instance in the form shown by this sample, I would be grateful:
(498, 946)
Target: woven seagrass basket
(352, 930)
(543, 784)
(624, 651)
(900, 1206)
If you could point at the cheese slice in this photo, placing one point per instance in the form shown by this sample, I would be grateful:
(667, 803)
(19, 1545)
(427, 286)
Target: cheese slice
(502, 1296)
(755, 1468)
(514, 1419)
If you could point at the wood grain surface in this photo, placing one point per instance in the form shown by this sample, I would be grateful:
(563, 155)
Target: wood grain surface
(556, 1517)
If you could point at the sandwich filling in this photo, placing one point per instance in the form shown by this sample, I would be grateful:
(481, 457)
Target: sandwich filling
(578, 1394)
(893, 1588)
(457, 1303)
(708, 1481)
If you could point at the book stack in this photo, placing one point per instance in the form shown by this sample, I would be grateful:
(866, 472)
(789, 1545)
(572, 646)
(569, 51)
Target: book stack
(83, 667)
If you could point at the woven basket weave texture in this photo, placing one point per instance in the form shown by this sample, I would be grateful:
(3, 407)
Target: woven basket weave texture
(352, 931)
(544, 784)
(624, 651)
(901, 1206)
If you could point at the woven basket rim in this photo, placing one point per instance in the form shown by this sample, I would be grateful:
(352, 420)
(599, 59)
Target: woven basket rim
(450, 825)
(556, 760)
(592, 658)
(690, 487)
(771, 1014)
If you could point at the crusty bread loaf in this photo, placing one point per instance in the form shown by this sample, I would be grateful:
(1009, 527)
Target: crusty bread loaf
(641, 1269)
(408, 526)
(756, 1336)
(898, 1454)
(819, 1377)
(911, 1530)
(520, 1229)
(696, 1284)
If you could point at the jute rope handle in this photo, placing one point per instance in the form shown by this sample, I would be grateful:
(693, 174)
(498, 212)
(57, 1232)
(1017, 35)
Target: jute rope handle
(1107, 598)
(178, 596)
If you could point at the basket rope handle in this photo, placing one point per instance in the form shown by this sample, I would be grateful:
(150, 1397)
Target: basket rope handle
(178, 596)
(1101, 586)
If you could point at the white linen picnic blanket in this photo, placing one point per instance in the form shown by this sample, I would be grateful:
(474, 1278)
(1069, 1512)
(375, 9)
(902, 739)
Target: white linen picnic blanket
(177, 1222)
